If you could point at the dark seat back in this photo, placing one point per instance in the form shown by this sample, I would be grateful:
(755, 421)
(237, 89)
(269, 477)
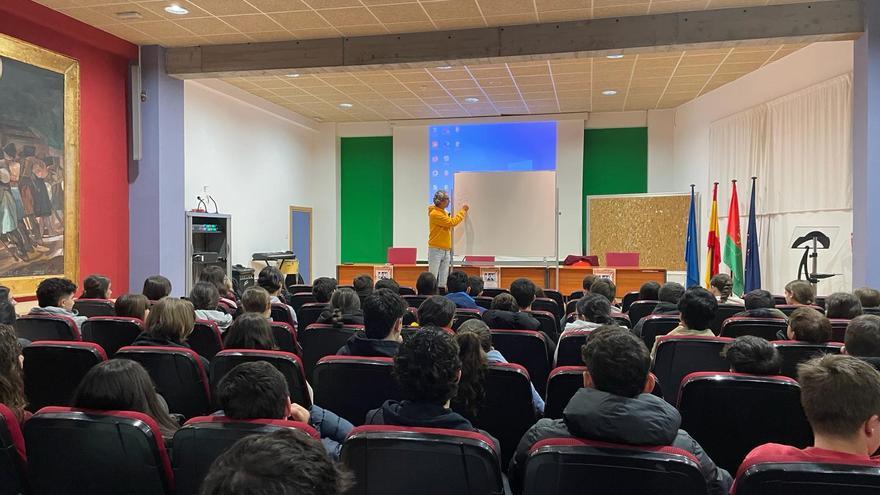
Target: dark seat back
(795, 352)
(75, 451)
(308, 313)
(323, 340)
(550, 306)
(781, 476)
(414, 301)
(562, 384)
(628, 299)
(299, 288)
(179, 375)
(788, 309)
(679, 356)
(657, 325)
(838, 329)
(549, 324)
(406, 291)
(53, 370)
(435, 461)
(13, 459)
(112, 332)
(494, 292)
(527, 348)
(622, 319)
(483, 301)
(205, 339)
(556, 296)
(351, 386)
(640, 309)
(94, 307)
(46, 327)
(766, 328)
(299, 299)
(288, 364)
(568, 351)
(285, 338)
(724, 312)
(280, 312)
(462, 315)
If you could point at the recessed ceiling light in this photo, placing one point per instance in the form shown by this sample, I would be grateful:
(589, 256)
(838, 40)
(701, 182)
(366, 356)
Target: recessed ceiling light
(345, 105)
(293, 75)
(129, 15)
(609, 92)
(615, 56)
(444, 67)
(471, 99)
(176, 9)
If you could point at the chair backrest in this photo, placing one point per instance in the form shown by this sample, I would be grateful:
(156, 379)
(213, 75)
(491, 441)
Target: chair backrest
(549, 323)
(574, 296)
(838, 329)
(204, 438)
(654, 326)
(628, 299)
(679, 356)
(53, 370)
(351, 386)
(406, 291)
(73, 451)
(323, 340)
(462, 315)
(528, 348)
(778, 475)
(280, 312)
(562, 384)
(560, 466)
(46, 327)
(494, 292)
(94, 307)
(556, 296)
(308, 313)
(299, 299)
(640, 309)
(435, 461)
(414, 301)
(112, 332)
(483, 301)
(766, 328)
(410, 316)
(550, 306)
(285, 337)
(788, 309)
(724, 312)
(205, 339)
(759, 409)
(568, 350)
(290, 365)
(179, 375)
(795, 352)
(299, 288)
(622, 320)
(13, 459)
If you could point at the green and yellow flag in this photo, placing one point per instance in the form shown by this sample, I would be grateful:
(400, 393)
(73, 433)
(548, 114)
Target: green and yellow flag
(733, 253)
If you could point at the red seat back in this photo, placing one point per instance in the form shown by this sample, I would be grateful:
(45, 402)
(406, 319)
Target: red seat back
(838, 329)
(53, 370)
(280, 312)
(288, 364)
(795, 352)
(766, 328)
(285, 338)
(679, 356)
(568, 351)
(205, 339)
(323, 340)
(308, 313)
(179, 375)
(94, 307)
(351, 386)
(527, 348)
(13, 459)
(780, 475)
(112, 332)
(46, 327)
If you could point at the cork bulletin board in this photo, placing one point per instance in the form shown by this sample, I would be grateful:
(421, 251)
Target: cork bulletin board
(653, 225)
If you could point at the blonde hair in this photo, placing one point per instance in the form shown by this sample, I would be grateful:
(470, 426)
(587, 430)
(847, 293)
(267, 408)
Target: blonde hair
(172, 319)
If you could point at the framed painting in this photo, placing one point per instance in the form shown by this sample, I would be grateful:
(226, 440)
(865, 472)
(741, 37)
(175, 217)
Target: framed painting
(39, 165)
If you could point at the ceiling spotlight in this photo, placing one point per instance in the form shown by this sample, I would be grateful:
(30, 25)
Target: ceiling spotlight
(444, 67)
(616, 56)
(176, 9)
(345, 105)
(471, 99)
(609, 92)
(292, 75)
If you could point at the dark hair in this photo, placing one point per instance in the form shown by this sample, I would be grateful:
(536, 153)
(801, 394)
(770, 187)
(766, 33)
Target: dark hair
(216, 276)
(504, 302)
(255, 299)
(426, 284)
(344, 301)
(271, 279)
(523, 290)
(670, 292)
(250, 331)
(171, 319)
(839, 393)
(204, 295)
(11, 375)
(843, 305)
(95, 287)
(605, 287)
(255, 390)
(156, 287)
(649, 291)
(7, 309)
(479, 328)
(426, 366)
(870, 298)
(758, 299)
(862, 337)
(809, 325)
(475, 286)
(436, 311)
(724, 284)
(122, 385)
(322, 289)
(595, 308)
(132, 306)
(618, 361)
(387, 283)
(52, 290)
(588, 282)
(697, 307)
(382, 309)
(457, 282)
(750, 354)
(363, 285)
(285, 461)
(474, 366)
(801, 291)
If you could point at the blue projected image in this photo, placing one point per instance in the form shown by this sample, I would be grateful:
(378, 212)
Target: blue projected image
(524, 146)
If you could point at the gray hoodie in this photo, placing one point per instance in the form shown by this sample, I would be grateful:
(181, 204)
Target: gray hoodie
(55, 310)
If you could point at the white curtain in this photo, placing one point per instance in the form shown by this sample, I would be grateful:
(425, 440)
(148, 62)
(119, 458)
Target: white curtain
(800, 148)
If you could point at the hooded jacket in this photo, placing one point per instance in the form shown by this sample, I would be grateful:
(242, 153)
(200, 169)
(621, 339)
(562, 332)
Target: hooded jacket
(422, 415)
(508, 320)
(355, 317)
(56, 311)
(641, 420)
(359, 345)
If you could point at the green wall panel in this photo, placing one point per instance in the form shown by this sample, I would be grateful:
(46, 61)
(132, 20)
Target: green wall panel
(367, 197)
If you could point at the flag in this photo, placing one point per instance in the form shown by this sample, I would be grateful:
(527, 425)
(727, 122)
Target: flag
(713, 257)
(753, 258)
(690, 250)
(733, 253)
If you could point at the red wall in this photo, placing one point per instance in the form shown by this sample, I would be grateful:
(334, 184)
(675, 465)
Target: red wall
(103, 58)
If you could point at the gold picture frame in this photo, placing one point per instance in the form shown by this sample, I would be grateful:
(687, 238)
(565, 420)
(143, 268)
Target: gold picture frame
(36, 56)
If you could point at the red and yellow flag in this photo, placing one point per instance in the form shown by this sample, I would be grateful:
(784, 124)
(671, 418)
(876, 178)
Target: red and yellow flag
(713, 257)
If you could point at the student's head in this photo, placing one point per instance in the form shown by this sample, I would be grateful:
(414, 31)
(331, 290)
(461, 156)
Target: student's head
(457, 282)
(843, 305)
(96, 287)
(475, 286)
(156, 287)
(204, 295)
(383, 314)
(870, 298)
(426, 284)
(809, 325)
(474, 364)
(171, 319)
(441, 199)
(841, 398)
(649, 291)
(11, 376)
(57, 292)
(427, 366)
(322, 289)
(479, 328)
(595, 308)
(588, 282)
(255, 390)
(363, 285)
(799, 292)
(7, 312)
(670, 292)
(504, 302)
(215, 276)
(697, 307)
(721, 286)
(346, 301)
(132, 306)
(250, 331)
(604, 287)
(523, 290)
(617, 362)
(256, 299)
(122, 385)
(759, 299)
(862, 337)
(436, 311)
(750, 354)
(271, 279)
(284, 461)
(388, 283)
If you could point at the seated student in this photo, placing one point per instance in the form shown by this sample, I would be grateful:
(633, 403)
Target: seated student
(205, 298)
(605, 287)
(426, 284)
(668, 295)
(475, 286)
(169, 324)
(281, 462)
(96, 287)
(7, 307)
(807, 325)
(457, 291)
(753, 355)
(388, 283)
(870, 299)
(721, 286)
(257, 390)
(436, 311)
(216, 276)
(524, 291)
(344, 309)
(842, 305)
(363, 285)
(799, 293)
(250, 331)
(156, 287)
(759, 303)
(593, 311)
(862, 339)
(55, 297)
(383, 319)
(504, 314)
(616, 406)
(587, 283)
(476, 352)
(841, 399)
(272, 280)
(132, 306)
(12, 374)
(649, 291)
(697, 307)
(322, 289)
(256, 299)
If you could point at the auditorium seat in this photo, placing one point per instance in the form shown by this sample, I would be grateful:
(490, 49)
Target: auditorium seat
(299, 299)
(225, 307)
(528, 348)
(494, 292)
(13, 459)
(778, 475)
(425, 461)
(285, 337)
(729, 414)
(622, 319)
(414, 301)
(463, 315)
(76, 451)
(556, 296)
(562, 383)
(94, 307)
(112, 332)
(574, 296)
(562, 466)
(205, 339)
(568, 351)
(46, 327)
(53, 370)
(795, 352)
(309, 313)
(766, 328)
(318, 341)
(640, 309)
(838, 329)
(628, 299)
(658, 325)
(571, 307)
(484, 302)
(724, 312)
(820, 301)
(351, 386)
(410, 316)
(280, 312)
(788, 309)
(678, 356)
(202, 439)
(406, 291)
(299, 289)
(550, 306)
(179, 375)
(549, 324)
(288, 364)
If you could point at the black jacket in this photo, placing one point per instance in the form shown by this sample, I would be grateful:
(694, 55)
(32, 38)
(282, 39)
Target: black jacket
(147, 340)
(421, 415)
(354, 318)
(761, 313)
(662, 308)
(359, 345)
(641, 420)
(508, 320)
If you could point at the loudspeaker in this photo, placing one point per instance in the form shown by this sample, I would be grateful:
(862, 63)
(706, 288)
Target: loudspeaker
(242, 278)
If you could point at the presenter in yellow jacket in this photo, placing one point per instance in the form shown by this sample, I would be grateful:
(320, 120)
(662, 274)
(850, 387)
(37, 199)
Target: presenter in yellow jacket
(440, 236)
